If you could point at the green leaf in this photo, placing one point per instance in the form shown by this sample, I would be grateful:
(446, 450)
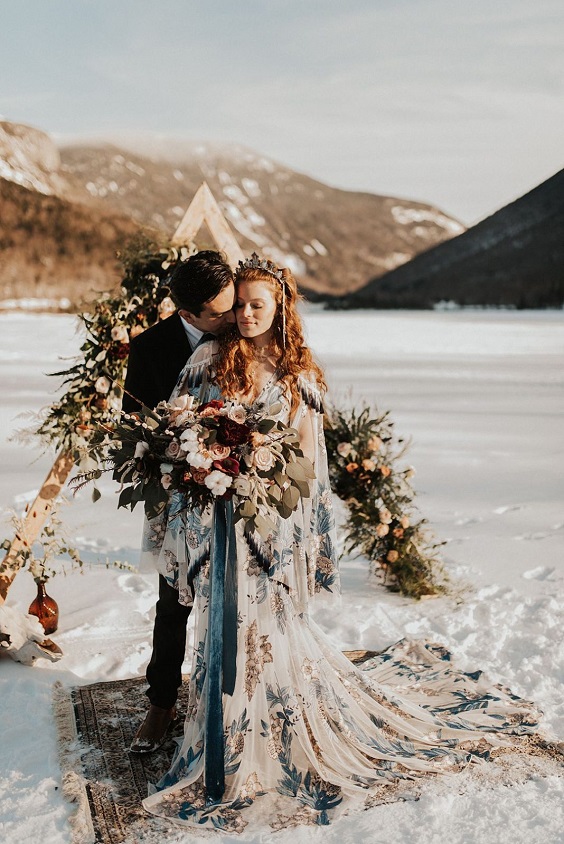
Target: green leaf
(125, 497)
(275, 493)
(266, 425)
(263, 526)
(296, 472)
(285, 512)
(247, 509)
(303, 488)
(96, 494)
(308, 467)
(290, 497)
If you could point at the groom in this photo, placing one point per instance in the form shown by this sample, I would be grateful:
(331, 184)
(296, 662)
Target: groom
(204, 293)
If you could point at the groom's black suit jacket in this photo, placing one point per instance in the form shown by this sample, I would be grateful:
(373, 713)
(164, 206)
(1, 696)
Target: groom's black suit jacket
(156, 358)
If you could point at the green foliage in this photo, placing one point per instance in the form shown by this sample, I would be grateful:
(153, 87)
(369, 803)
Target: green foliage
(382, 522)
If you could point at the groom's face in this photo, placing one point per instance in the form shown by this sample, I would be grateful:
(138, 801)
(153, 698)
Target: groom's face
(216, 314)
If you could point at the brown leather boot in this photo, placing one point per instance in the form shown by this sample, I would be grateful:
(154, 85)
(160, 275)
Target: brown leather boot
(152, 732)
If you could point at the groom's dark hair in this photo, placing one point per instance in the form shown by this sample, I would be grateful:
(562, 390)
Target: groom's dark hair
(199, 280)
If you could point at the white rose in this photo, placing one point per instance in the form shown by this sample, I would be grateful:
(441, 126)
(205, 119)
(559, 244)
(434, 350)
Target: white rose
(181, 418)
(141, 449)
(185, 402)
(189, 435)
(344, 449)
(218, 482)
(198, 461)
(102, 385)
(119, 334)
(166, 468)
(263, 458)
(237, 413)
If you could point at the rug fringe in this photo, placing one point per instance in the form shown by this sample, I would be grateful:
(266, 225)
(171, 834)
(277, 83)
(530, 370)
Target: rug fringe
(73, 781)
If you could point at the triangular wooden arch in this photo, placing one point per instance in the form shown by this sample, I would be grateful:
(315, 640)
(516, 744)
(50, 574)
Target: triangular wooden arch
(202, 209)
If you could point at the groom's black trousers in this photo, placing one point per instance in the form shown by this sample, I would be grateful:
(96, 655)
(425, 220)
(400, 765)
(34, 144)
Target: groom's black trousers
(164, 672)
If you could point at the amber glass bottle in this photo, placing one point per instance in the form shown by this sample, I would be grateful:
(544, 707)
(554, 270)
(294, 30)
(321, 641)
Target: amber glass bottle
(45, 608)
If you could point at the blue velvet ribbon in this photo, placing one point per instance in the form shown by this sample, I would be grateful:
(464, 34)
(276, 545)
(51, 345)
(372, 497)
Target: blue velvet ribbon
(222, 638)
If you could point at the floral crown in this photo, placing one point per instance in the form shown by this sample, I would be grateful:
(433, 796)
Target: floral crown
(256, 263)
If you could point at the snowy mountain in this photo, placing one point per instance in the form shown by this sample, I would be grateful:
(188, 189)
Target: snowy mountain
(332, 239)
(29, 158)
(515, 257)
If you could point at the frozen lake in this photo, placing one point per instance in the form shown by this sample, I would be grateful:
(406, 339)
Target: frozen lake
(481, 395)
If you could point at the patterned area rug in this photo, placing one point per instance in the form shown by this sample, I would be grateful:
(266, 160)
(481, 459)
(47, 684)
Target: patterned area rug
(96, 726)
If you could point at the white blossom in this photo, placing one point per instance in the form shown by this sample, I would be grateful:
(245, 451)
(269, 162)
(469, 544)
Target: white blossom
(218, 482)
(199, 461)
(102, 385)
(119, 334)
(141, 449)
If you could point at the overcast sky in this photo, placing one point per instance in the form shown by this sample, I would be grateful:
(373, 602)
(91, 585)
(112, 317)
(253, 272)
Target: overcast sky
(455, 102)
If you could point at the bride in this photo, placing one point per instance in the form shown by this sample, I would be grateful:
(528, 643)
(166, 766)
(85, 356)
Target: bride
(281, 728)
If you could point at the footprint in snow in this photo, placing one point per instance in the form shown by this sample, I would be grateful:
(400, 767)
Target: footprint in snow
(499, 511)
(540, 573)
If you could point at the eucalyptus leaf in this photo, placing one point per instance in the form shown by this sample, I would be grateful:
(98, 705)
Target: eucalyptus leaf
(290, 497)
(262, 526)
(308, 467)
(266, 425)
(303, 488)
(96, 494)
(296, 472)
(248, 509)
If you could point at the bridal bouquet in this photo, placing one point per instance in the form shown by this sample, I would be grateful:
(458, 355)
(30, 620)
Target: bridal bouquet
(217, 449)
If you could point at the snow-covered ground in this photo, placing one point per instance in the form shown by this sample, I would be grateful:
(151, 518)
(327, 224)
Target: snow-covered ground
(481, 394)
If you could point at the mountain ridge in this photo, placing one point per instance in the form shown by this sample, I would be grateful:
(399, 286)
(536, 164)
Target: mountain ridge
(514, 257)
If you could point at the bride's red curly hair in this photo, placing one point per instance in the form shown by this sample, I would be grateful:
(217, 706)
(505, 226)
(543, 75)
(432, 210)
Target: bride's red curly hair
(237, 355)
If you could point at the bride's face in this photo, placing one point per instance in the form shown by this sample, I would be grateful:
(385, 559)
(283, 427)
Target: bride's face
(255, 308)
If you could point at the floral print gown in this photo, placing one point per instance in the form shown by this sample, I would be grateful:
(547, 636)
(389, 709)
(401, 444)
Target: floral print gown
(307, 735)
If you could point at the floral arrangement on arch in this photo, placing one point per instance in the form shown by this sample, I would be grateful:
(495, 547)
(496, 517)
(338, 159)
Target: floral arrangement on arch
(93, 384)
(214, 450)
(382, 522)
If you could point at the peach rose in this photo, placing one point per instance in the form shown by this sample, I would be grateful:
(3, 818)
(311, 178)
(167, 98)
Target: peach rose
(385, 470)
(218, 451)
(136, 331)
(166, 480)
(352, 467)
(385, 515)
(392, 556)
(368, 465)
(344, 449)
(374, 444)
(404, 522)
(382, 530)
